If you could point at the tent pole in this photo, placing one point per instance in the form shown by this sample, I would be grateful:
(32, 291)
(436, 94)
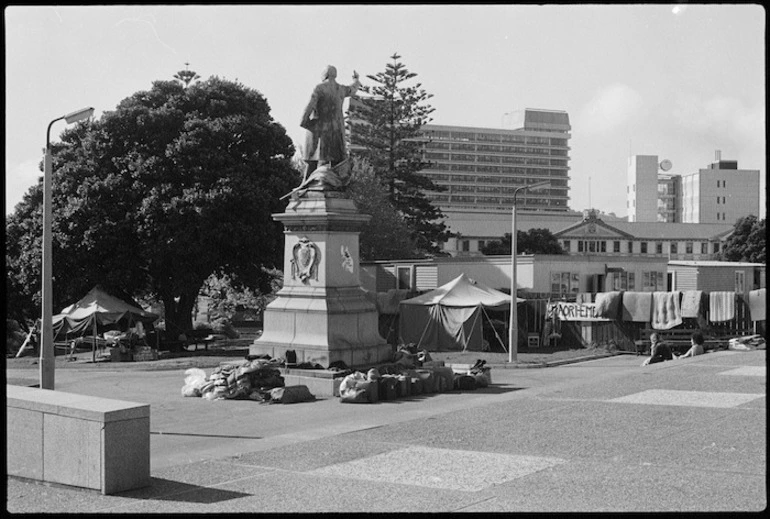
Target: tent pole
(497, 335)
(93, 345)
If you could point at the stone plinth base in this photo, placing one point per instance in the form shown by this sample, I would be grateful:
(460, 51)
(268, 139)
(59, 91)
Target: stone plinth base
(322, 326)
(321, 312)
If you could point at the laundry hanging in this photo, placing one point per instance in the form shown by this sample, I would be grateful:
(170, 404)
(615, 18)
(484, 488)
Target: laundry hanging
(721, 306)
(666, 312)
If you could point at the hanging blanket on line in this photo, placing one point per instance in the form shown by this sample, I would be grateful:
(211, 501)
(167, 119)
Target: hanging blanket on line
(637, 306)
(721, 306)
(757, 304)
(608, 304)
(666, 312)
(691, 303)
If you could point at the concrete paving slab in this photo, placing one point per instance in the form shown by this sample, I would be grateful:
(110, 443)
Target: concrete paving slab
(687, 398)
(746, 371)
(449, 469)
(593, 486)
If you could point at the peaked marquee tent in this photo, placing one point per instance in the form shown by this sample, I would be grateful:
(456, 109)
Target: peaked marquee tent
(98, 309)
(449, 318)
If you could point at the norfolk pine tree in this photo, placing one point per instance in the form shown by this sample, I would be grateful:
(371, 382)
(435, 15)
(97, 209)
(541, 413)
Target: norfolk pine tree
(385, 130)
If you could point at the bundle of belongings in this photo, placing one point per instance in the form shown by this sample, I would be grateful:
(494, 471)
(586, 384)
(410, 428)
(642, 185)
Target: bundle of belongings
(747, 343)
(394, 381)
(257, 379)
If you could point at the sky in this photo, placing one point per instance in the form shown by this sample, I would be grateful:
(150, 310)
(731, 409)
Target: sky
(676, 81)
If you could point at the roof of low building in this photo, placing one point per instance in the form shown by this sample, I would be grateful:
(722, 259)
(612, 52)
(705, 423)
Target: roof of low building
(713, 263)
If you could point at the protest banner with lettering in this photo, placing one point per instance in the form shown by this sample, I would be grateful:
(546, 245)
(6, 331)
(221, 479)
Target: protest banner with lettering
(573, 312)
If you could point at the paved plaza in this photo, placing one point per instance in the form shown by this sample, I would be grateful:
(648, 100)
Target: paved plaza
(602, 435)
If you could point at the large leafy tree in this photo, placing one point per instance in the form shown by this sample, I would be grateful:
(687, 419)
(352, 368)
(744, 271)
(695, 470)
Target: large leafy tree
(533, 241)
(386, 235)
(385, 129)
(177, 183)
(747, 242)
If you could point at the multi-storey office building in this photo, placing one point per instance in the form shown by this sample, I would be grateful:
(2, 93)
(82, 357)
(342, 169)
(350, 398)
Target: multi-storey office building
(651, 194)
(481, 168)
(642, 188)
(720, 193)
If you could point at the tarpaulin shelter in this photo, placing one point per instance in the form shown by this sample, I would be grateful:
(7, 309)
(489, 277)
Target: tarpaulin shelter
(98, 309)
(449, 318)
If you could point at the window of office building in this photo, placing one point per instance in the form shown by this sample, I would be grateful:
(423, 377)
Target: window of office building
(704, 248)
(630, 247)
(565, 282)
(716, 247)
(688, 247)
(659, 248)
(615, 246)
(644, 247)
(566, 245)
(673, 248)
(466, 245)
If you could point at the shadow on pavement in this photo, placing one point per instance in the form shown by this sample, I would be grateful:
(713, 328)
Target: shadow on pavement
(167, 490)
(489, 390)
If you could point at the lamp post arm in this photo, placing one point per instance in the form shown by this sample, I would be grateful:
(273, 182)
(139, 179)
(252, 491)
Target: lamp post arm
(48, 132)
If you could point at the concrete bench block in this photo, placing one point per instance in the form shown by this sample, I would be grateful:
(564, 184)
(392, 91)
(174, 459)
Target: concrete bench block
(77, 440)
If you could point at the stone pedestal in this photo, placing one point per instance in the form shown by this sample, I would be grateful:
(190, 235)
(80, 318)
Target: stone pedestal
(321, 312)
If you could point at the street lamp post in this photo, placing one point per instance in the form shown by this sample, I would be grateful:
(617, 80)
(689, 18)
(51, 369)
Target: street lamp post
(47, 354)
(513, 325)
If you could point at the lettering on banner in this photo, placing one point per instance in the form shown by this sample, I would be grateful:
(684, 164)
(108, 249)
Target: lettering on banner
(573, 312)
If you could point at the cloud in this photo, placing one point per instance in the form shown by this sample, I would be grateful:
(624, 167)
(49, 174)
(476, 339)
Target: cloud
(724, 118)
(611, 108)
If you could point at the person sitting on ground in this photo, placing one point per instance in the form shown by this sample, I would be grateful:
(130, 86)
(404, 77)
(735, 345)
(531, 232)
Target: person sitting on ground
(659, 350)
(696, 348)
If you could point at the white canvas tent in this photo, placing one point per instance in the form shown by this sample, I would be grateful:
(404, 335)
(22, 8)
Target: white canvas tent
(98, 309)
(449, 318)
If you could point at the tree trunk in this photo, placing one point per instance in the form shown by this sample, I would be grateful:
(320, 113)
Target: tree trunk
(178, 314)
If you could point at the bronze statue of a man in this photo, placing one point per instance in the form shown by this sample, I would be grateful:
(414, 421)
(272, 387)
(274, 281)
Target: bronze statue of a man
(324, 120)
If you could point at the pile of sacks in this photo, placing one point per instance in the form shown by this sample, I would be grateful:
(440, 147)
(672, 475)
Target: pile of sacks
(258, 379)
(747, 343)
(393, 381)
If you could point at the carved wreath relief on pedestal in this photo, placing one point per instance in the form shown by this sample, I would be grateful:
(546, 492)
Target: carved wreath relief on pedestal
(304, 262)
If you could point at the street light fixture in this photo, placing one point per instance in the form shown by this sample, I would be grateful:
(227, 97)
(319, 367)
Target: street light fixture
(47, 354)
(513, 325)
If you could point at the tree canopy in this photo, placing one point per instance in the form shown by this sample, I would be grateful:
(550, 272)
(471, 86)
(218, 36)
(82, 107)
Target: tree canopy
(386, 235)
(747, 241)
(533, 241)
(178, 182)
(385, 129)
